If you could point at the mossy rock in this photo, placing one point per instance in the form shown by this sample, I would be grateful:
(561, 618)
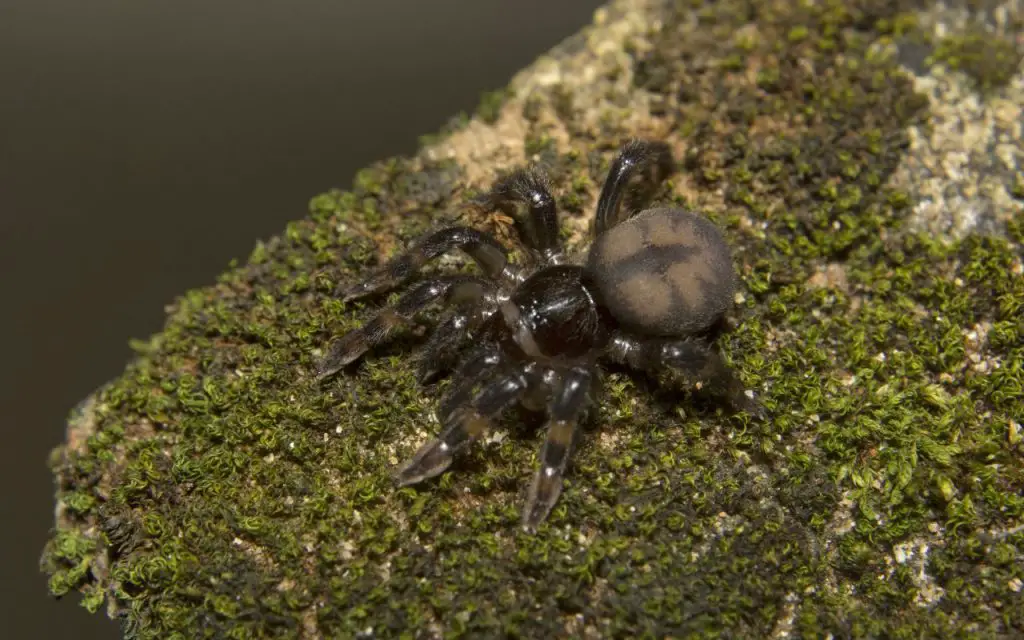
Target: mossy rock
(217, 490)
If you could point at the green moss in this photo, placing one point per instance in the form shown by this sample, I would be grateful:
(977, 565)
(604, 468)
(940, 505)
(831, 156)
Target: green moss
(491, 104)
(216, 490)
(537, 144)
(989, 59)
(68, 558)
(1018, 186)
(899, 25)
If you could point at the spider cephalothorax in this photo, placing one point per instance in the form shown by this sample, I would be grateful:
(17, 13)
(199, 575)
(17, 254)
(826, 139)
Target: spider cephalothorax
(645, 294)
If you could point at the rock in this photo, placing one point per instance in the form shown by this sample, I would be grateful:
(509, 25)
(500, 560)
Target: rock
(216, 489)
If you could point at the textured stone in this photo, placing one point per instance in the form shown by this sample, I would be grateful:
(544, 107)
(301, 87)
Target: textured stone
(863, 160)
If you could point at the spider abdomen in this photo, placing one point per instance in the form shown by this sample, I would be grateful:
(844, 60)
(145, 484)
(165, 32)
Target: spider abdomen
(664, 272)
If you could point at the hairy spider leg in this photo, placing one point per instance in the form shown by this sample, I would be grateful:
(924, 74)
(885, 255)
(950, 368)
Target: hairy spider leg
(481, 247)
(637, 159)
(530, 188)
(563, 415)
(450, 289)
(463, 426)
(475, 370)
(449, 340)
(692, 358)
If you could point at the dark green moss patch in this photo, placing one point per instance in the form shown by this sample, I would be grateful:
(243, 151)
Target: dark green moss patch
(989, 59)
(216, 490)
(490, 105)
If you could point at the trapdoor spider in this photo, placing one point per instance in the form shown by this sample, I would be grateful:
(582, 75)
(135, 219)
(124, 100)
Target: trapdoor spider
(645, 295)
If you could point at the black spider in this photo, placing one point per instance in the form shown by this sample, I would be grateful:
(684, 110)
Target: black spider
(647, 295)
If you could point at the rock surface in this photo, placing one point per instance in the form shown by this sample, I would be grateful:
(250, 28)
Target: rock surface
(865, 160)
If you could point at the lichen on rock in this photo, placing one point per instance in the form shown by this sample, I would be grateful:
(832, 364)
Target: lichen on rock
(216, 489)
(962, 170)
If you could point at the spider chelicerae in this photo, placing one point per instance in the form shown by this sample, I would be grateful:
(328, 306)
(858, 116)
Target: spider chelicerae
(649, 293)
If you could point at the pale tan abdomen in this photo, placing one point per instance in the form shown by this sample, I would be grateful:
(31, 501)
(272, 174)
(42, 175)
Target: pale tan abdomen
(664, 272)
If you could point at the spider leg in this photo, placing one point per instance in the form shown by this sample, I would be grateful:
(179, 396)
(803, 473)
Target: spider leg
(451, 288)
(636, 159)
(530, 188)
(485, 250)
(694, 359)
(475, 370)
(461, 427)
(568, 403)
(448, 341)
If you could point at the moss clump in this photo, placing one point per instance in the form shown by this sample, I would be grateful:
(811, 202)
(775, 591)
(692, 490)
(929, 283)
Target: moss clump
(989, 59)
(1018, 186)
(215, 489)
(490, 105)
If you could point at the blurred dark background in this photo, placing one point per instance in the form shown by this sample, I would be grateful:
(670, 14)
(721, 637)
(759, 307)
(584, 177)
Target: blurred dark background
(144, 145)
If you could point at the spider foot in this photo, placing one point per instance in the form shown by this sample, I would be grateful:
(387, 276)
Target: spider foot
(566, 407)
(746, 401)
(488, 253)
(463, 427)
(427, 371)
(347, 349)
(431, 460)
(359, 290)
(344, 351)
(430, 370)
(547, 486)
(388, 276)
(741, 399)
